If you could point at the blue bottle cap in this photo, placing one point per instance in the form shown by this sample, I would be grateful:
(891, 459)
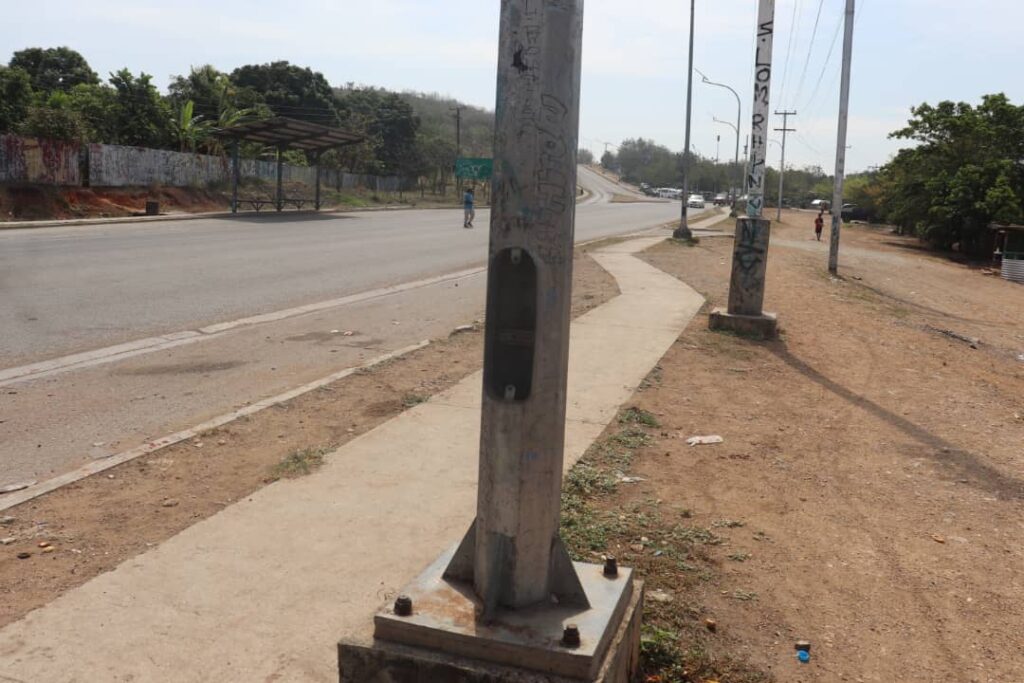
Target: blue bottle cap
(804, 657)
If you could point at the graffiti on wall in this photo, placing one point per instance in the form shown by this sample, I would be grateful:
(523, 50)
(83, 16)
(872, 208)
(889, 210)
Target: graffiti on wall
(28, 160)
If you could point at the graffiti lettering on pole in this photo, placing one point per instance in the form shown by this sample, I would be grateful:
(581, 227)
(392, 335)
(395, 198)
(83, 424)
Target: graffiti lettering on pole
(759, 118)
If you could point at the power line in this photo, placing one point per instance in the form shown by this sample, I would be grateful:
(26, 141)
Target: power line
(794, 29)
(810, 51)
(828, 59)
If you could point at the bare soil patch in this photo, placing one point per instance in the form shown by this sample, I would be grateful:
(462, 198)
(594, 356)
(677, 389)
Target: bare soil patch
(96, 524)
(869, 491)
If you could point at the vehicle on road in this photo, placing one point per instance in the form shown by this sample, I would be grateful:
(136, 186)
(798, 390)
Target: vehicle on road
(695, 201)
(669, 193)
(820, 205)
(852, 212)
(721, 199)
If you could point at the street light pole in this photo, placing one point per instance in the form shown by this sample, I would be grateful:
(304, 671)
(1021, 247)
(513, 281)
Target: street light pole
(683, 231)
(739, 120)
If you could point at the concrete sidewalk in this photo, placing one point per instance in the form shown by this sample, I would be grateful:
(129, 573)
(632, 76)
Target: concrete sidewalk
(263, 590)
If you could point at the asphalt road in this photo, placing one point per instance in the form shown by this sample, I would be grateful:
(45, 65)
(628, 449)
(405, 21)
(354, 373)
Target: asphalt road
(83, 289)
(74, 289)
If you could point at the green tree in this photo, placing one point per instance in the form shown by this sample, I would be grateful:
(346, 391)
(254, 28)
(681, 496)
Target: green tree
(142, 117)
(55, 68)
(96, 106)
(965, 172)
(585, 156)
(15, 98)
(55, 119)
(289, 90)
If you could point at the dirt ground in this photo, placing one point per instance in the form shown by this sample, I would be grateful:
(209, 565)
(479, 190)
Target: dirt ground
(50, 203)
(868, 493)
(99, 522)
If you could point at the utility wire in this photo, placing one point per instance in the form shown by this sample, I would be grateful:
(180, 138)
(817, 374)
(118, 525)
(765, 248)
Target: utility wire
(794, 29)
(810, 51)
(828, 59)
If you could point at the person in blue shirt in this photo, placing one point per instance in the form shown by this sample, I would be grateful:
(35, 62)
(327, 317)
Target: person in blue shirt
(467, 204)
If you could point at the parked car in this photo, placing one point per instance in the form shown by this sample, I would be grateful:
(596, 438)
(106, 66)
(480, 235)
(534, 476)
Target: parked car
(695, 201)
(820, 205)
(721, 199)
(669, 193)
(852, 212)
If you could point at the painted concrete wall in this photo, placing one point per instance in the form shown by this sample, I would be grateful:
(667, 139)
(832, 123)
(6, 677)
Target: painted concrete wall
(31, 160)
(117, 166)
(28, 160)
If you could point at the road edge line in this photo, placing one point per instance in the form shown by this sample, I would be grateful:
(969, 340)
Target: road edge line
(14, 499)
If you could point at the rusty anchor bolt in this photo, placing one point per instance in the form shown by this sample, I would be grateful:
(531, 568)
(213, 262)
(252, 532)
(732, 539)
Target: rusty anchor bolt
(611, 567)
(571, 636)
(403, 606)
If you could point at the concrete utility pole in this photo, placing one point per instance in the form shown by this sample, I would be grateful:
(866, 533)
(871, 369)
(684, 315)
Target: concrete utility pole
(782, 165)
(683, 231)
(759, 120)
(509, 594)
(739, 120)
(745, 314)
(844, 115)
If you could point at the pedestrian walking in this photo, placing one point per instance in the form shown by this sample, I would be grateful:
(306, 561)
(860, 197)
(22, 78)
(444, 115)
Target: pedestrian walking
(467, 204)
(819, 224)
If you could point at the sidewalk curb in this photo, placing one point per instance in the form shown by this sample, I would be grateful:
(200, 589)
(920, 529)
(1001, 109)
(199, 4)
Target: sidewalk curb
(14, 499)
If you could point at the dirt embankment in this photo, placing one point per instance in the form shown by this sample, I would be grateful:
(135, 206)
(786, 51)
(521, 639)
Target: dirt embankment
(868, 493)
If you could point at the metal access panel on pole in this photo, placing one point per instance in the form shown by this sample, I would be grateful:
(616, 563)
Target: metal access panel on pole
(509, 595)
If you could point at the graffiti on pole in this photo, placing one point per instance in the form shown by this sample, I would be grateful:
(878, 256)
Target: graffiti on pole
(762, 93)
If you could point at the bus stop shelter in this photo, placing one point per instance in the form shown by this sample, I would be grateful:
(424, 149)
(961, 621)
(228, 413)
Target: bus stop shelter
(283, 134)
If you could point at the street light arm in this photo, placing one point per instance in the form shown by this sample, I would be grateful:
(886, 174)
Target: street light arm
(731, 125)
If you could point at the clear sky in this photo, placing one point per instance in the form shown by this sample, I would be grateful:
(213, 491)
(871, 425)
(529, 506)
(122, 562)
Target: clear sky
(634, 64)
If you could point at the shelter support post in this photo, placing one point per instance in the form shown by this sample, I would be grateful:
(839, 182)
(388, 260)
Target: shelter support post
(234, 176)
(316, 201)
(280, 170)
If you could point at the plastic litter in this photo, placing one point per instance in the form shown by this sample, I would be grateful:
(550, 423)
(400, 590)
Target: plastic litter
(704, 440)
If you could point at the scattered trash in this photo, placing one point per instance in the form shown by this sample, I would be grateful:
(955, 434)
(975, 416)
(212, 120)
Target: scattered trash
(637, 547)
(49, 549)
(7, 520)
(803, 646)
(348, 333)
(24, 555)
(11, 488)
(170, 503)
(659, 553)
(44, 544)
(623, 479)
(463, 328)
(704, 440)
(335, 331)
(660, 596)
(1020, 357)
(938, 539)
(97, 444)
(803, 656)
(7, 541)
(711, 625)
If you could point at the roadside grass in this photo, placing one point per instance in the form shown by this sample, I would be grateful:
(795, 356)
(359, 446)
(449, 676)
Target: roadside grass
(602, 515)
(300, 462)
(413, 399)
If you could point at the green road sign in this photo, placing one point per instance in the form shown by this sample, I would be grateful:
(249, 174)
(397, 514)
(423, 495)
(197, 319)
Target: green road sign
(474, 169)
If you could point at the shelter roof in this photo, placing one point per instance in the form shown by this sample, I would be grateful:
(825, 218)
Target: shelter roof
(291, 133)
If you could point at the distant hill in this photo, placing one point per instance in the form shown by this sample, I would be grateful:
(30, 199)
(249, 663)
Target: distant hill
(437, 118)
